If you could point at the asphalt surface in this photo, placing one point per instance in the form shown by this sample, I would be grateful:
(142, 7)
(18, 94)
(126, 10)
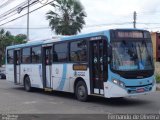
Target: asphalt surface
(14, 100)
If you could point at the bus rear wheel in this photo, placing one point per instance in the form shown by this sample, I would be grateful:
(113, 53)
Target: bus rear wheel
(81, 91)
(27, 84)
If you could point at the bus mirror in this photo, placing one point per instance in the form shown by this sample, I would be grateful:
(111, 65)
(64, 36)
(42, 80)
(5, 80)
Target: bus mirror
(109, 54)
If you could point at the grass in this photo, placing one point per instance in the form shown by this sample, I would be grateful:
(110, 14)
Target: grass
(158, 78)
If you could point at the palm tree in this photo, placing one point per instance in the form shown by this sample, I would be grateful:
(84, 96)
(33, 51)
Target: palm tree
(68, 18)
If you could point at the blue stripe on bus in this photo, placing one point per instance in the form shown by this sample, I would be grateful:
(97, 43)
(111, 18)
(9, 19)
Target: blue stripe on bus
(63, 79)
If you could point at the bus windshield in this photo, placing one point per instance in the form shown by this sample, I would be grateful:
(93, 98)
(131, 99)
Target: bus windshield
(132, 55)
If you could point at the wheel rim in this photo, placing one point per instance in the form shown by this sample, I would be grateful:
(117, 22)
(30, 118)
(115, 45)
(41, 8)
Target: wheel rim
(81, 91)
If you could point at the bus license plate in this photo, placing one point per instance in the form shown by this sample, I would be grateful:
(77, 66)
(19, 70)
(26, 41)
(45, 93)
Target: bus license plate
(140, 90)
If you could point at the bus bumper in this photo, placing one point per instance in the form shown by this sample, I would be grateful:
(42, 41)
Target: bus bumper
(114, 91)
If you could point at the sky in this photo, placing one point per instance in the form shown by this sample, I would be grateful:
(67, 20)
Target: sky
(101, 15)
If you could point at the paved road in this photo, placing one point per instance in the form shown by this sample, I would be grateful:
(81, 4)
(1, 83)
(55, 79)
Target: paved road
(13, 99)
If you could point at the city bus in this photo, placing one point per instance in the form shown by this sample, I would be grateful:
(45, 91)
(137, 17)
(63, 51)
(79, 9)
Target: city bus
(112, 63)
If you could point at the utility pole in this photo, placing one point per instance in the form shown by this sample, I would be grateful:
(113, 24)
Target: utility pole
(28, 21)
(134, 19)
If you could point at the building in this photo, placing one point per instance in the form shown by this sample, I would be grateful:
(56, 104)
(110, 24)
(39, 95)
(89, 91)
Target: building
(156, 45)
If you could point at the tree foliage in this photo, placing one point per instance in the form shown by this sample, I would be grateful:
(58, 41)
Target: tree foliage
(19, 39)
(7, 39)
(67, 17)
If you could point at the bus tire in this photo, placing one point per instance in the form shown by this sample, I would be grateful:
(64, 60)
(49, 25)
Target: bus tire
(27, 84)
(81, 91)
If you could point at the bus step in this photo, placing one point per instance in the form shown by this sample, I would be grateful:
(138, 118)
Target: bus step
(48, 89)
(98, 95)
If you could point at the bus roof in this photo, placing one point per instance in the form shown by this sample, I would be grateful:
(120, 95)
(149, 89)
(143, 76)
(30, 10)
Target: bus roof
(63, 38)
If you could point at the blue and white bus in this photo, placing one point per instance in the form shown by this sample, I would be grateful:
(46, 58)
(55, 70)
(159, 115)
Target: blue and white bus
(111, 63)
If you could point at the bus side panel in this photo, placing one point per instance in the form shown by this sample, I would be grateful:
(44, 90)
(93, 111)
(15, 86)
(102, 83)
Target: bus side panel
(25, 70)
(64, 77)
(36, 75)
(10, 72)
(72, 77)
(34, 71)
(74, 74)
(60, 81)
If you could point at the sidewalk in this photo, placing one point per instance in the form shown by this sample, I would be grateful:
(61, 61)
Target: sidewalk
(158, 86)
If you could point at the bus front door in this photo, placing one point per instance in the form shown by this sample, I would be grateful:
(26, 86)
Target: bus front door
(17, 66)
(98, 66)
(47, 66)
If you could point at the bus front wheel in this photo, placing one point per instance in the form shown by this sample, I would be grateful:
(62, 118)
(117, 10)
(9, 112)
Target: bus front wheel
(27, 84)
(81, 91)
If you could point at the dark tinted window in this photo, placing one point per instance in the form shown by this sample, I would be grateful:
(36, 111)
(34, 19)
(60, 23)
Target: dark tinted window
(26, 55)
(78, 51)
(10, 57)
(36, 54)
(17, 57)
(60, 52)
(48, 53)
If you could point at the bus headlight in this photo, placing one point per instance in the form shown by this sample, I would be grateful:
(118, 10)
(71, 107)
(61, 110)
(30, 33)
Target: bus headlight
(115, 81)
(119, 83)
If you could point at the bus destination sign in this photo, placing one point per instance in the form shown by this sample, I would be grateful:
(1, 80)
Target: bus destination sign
(79, 67)
(130, 34)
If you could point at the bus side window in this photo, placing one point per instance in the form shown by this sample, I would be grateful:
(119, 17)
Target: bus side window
(60, 52)
(36, 54)
(26, 57)
(18, 59)
(55, 56)
(10, 56)
(78, 51)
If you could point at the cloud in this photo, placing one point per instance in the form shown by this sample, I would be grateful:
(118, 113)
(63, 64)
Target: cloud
(98, 12)
(37, 19)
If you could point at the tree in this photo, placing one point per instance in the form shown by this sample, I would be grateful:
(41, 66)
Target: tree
(4, 41)
(68, 18)
(7, 39)
(19, 39)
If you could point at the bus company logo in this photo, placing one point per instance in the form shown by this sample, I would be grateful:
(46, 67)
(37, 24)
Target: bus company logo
(79, 74)
(75, 74)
